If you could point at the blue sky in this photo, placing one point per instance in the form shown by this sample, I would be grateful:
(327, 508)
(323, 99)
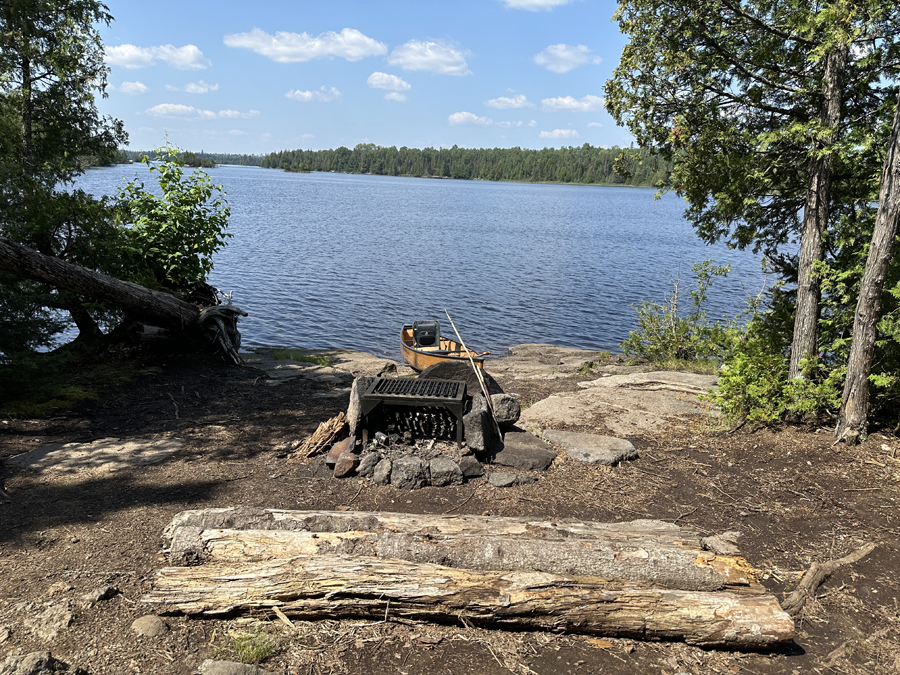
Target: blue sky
(255, 77)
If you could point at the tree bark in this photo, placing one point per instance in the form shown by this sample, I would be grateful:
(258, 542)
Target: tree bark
(815, 217)
(855, 400)
(333, 587)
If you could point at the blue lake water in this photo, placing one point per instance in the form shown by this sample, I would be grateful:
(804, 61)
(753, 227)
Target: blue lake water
(333, 260)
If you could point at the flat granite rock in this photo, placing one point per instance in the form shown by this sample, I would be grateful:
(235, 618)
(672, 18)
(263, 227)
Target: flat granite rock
(525, 451)
(592, 448)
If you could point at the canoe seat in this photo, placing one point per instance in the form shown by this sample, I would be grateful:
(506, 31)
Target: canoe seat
(433, 350)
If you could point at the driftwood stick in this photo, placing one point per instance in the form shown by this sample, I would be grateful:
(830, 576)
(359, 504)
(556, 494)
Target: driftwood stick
(334, 587)
(478, 375)
(806, 589)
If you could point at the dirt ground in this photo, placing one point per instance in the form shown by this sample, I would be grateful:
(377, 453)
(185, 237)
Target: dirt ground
(795, 498)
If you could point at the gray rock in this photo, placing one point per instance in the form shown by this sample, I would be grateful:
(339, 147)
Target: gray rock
(354, 410)
(346, 464)
(504, 480)
(525, 451)
(37, 663)
(478, 427)
(408, 473)
(100, 594)
(722, 544)
(444, 471)
(55, 615)
(506, 409)
(149, 625)
(592, 448)
(461, 370)
(382, 472)
(209, 667)
(367, 464)
(470, 467)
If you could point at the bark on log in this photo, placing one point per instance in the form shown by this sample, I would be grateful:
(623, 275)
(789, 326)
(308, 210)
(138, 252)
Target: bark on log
(334, 587)
(643, 550)
(647, 561)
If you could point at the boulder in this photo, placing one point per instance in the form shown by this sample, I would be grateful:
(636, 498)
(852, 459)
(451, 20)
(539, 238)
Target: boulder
(367, 464)
(382, 472)
(480, 434)
(37, 663)
(524, 451)
(209, 667)
(506, 409)
(444, 471)
(592, 448)
(354, 410)
(461, 370)
(408, 473)
(346, 464)
(149, 625)
(470, 467)
(338, 449)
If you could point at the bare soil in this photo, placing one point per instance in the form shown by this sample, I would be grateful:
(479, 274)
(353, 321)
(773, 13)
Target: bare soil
(794, 496)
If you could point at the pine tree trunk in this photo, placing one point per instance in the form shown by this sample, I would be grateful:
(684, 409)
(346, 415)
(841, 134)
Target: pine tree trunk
(815, 218)
(855, 401)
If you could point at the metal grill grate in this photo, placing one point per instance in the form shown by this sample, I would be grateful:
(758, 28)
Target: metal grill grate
(432, 395)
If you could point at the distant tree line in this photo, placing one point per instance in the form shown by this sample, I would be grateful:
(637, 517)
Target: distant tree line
(199, 159)
(585, 164)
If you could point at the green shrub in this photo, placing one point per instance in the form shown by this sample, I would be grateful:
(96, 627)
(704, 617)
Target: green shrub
(663, 334)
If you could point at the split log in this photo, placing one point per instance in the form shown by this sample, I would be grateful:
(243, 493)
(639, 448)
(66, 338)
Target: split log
(140, 303)
(649, 560)
(325, 434)
(333, 587)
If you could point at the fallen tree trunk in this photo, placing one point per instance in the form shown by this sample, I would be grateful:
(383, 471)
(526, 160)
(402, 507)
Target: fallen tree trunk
(219, 323)
(334, 587)
(651, 560)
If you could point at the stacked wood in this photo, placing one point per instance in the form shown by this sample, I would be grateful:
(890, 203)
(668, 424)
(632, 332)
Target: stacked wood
(325, 434)
(643, 579)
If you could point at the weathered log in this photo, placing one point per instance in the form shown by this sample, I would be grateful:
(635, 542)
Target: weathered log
(143, 304)
(648, 560)
(250, 518)
(334, 587)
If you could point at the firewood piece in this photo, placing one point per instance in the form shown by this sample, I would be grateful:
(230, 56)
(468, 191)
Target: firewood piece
(646, 561)
(806, 589)
(325, 434)
(334, 587)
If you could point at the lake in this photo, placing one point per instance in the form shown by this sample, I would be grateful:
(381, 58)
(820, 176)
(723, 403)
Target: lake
(333, 260)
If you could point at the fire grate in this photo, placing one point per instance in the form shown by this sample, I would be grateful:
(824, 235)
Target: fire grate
(419, 406)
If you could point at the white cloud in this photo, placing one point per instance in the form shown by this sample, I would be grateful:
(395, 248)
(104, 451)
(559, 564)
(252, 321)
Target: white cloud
(568, 103)
(285, 47)
(532, 123)
(535, 5)
(134, 88)
(199, 87)
(435, 57)
(562, 58)
(507, 102)
(188, 57)
(469, 119)
(509, 125)
(595, 124)
(379, 80)
(323, 95)
(190, 112)
(395, 96)
(559, 133)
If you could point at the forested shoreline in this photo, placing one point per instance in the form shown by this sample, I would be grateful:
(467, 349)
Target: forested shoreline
(585, 164)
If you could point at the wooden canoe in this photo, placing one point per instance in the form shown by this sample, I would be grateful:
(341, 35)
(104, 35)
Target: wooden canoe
(422, 357)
